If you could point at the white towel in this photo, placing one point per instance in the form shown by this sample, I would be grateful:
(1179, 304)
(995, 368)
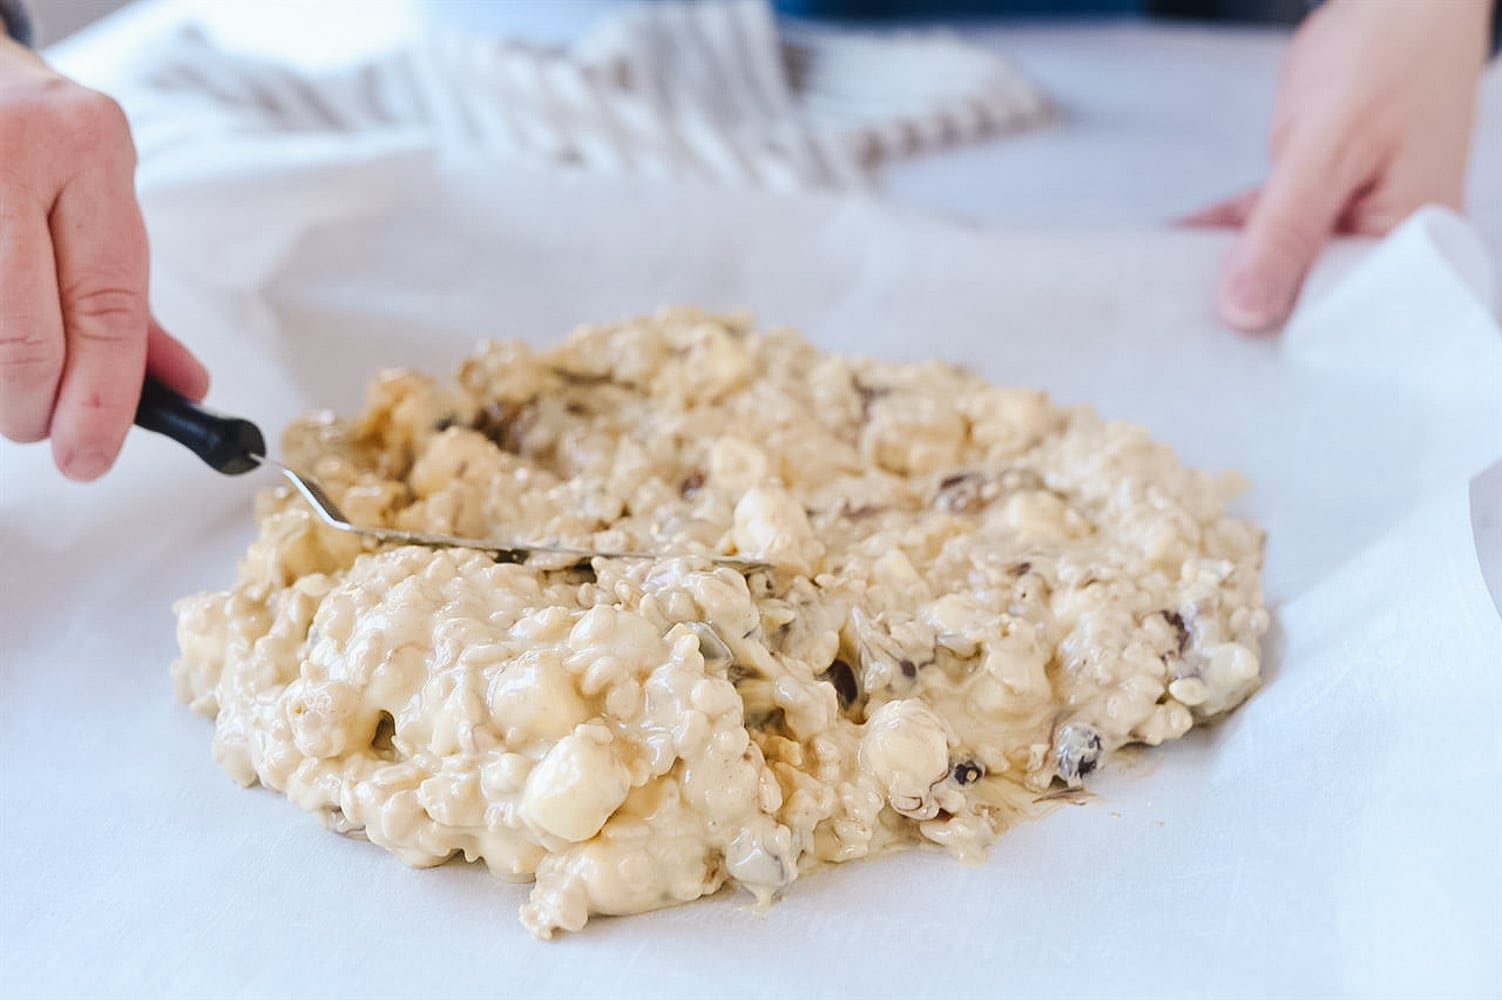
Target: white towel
(709, 90)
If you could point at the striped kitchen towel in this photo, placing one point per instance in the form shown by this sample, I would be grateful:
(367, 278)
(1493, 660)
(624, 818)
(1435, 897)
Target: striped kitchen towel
(710, 90)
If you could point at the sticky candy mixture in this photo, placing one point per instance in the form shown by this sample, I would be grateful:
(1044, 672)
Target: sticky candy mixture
(974, 596)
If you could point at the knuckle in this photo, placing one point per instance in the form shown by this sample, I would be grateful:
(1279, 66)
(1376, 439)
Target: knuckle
(96, 123)
(58, 114)
(27, 356)
(96, 112)
(109, 314)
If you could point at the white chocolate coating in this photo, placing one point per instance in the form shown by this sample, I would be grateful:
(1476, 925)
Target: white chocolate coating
(977, 595)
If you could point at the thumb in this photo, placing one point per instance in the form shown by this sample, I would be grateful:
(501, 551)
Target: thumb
(1287, 227)
(170, 360)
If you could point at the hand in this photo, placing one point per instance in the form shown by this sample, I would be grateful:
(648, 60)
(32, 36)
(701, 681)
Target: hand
(76, 335)
(1372, 119)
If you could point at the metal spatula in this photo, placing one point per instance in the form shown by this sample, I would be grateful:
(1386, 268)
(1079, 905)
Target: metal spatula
(232, 445)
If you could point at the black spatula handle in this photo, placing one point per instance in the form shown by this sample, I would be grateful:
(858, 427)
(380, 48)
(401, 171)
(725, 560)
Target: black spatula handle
(228, 444)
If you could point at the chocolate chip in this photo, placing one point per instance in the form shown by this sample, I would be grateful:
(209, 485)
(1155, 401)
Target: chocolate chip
(505, 423)
(869, 394)
(1177, 621)
(909, 668)
(962, 493)
(1020, 569)
(842, 677)
(691, 484)
(968, 772)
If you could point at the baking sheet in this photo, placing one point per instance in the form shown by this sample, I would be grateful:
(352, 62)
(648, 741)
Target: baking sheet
(1339, 835)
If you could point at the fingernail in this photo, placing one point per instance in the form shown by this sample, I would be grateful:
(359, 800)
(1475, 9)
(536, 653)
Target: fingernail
(1248, 302)
(87, 464)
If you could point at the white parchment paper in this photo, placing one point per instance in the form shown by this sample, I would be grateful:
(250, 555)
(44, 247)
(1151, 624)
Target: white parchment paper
(1341, 834)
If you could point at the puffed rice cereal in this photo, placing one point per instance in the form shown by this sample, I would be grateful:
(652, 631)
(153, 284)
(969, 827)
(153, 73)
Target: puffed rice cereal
(975, 597)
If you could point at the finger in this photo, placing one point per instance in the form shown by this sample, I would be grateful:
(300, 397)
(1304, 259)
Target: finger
(1377, 209)
(31, 326)
(170, 361)
(1283, 234)
(1228, 213)
(100, 243)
